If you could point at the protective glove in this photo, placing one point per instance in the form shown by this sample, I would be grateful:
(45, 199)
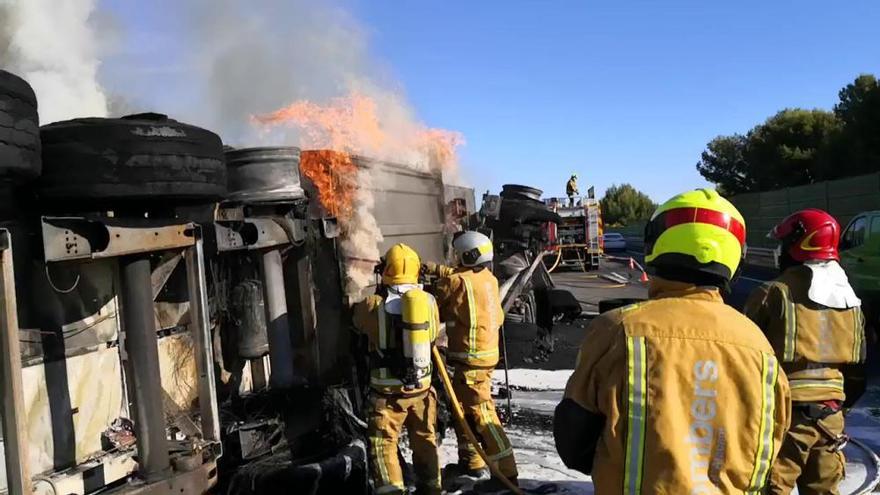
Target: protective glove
(430, 268)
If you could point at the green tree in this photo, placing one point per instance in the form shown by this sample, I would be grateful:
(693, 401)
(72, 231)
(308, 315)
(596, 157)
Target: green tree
(624, 204)
(791, 148)
(859, 110)
(724, 164)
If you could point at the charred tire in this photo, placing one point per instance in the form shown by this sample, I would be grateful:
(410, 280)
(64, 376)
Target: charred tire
(19, 129)
(515, 191)
(138, 157)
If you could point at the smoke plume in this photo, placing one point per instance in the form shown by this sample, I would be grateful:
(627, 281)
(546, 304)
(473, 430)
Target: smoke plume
(217, 64)
(302, 72)
(53, 46)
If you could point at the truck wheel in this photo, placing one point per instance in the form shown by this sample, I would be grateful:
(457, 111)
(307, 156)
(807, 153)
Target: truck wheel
(515, 191)
(19, 129)
(139, 157)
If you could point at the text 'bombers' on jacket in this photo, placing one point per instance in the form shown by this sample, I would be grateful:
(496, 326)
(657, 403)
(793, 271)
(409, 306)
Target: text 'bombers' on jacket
(692, 397)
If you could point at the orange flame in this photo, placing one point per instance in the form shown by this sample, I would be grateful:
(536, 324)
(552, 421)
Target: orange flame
(334, 175)
(353, 124)
(357, 124)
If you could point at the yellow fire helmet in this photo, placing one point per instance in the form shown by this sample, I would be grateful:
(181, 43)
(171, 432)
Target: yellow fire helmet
(697, 231)
(401, 266)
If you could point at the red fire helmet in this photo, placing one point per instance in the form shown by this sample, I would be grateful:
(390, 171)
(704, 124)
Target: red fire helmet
(810, 234)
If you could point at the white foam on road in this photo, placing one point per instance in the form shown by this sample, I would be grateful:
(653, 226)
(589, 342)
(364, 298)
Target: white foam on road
(537, 392)
(528, 379)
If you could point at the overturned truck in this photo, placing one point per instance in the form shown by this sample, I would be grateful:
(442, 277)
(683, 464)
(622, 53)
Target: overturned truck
(175, 313)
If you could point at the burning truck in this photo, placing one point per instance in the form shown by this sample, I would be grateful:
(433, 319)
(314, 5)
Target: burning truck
(175, 312)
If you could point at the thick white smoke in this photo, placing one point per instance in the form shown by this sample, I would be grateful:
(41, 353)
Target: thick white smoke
(53, 46)
(216, 64)
(307, 64)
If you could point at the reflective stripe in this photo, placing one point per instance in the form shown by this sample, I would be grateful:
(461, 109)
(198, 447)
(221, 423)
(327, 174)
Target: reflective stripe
(857, 335)
(490, 424)
(636, 411)
(501, 455)
(465, 355)
(764, 454)
(379, 458)
(835, 383)
(435, 317)
(472, 316)
(790, 326)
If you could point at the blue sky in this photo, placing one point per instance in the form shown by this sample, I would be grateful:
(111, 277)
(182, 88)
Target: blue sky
(616, 91)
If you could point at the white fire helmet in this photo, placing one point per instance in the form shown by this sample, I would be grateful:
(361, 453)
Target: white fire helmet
(473, 248)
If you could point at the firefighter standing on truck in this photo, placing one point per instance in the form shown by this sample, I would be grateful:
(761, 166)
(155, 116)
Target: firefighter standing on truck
(470, 304)
(814, 321)
(571, 189)
(401, 322)
(680, 393)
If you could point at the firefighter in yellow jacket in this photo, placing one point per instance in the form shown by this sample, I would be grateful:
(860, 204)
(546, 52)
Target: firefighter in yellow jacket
(680, 393)
(401, 322)
(571, 189)
(813, 319)
(470, 304)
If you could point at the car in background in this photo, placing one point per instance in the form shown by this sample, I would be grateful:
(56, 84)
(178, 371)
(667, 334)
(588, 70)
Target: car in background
(614, 241)
(860, 257)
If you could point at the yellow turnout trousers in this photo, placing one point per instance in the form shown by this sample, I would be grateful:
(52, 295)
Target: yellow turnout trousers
(806, 459)
(473, 387)
(389, 414)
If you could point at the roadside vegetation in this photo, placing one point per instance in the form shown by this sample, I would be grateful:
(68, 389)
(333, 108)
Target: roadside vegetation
(799, 146)
(625, 205)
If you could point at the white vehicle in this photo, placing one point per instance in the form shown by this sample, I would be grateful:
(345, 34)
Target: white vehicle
(614, 241)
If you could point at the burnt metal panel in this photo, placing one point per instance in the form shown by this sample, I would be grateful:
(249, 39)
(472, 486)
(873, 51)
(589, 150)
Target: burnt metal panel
(321, 337)
(408, 207)
(78, 238)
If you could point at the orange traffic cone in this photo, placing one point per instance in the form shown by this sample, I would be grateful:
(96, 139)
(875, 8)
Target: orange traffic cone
(632, 264)
(644, 278)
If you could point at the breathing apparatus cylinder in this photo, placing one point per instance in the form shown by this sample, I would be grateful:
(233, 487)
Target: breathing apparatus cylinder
(418, 318)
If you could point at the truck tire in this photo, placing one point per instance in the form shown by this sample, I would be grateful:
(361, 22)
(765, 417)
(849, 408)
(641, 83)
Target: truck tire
(138, 157)
(19, 129)
(516, 191)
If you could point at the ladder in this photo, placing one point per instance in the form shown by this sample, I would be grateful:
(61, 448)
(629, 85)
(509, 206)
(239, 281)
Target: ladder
(593, 251)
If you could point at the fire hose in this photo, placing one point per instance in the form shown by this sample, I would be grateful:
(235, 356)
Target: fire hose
(458, 411)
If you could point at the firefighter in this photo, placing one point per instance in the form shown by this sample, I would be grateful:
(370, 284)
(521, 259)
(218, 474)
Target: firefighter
(814, 321)
(401, 322)
(571, 189)
(679, 393)
(470, 304)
